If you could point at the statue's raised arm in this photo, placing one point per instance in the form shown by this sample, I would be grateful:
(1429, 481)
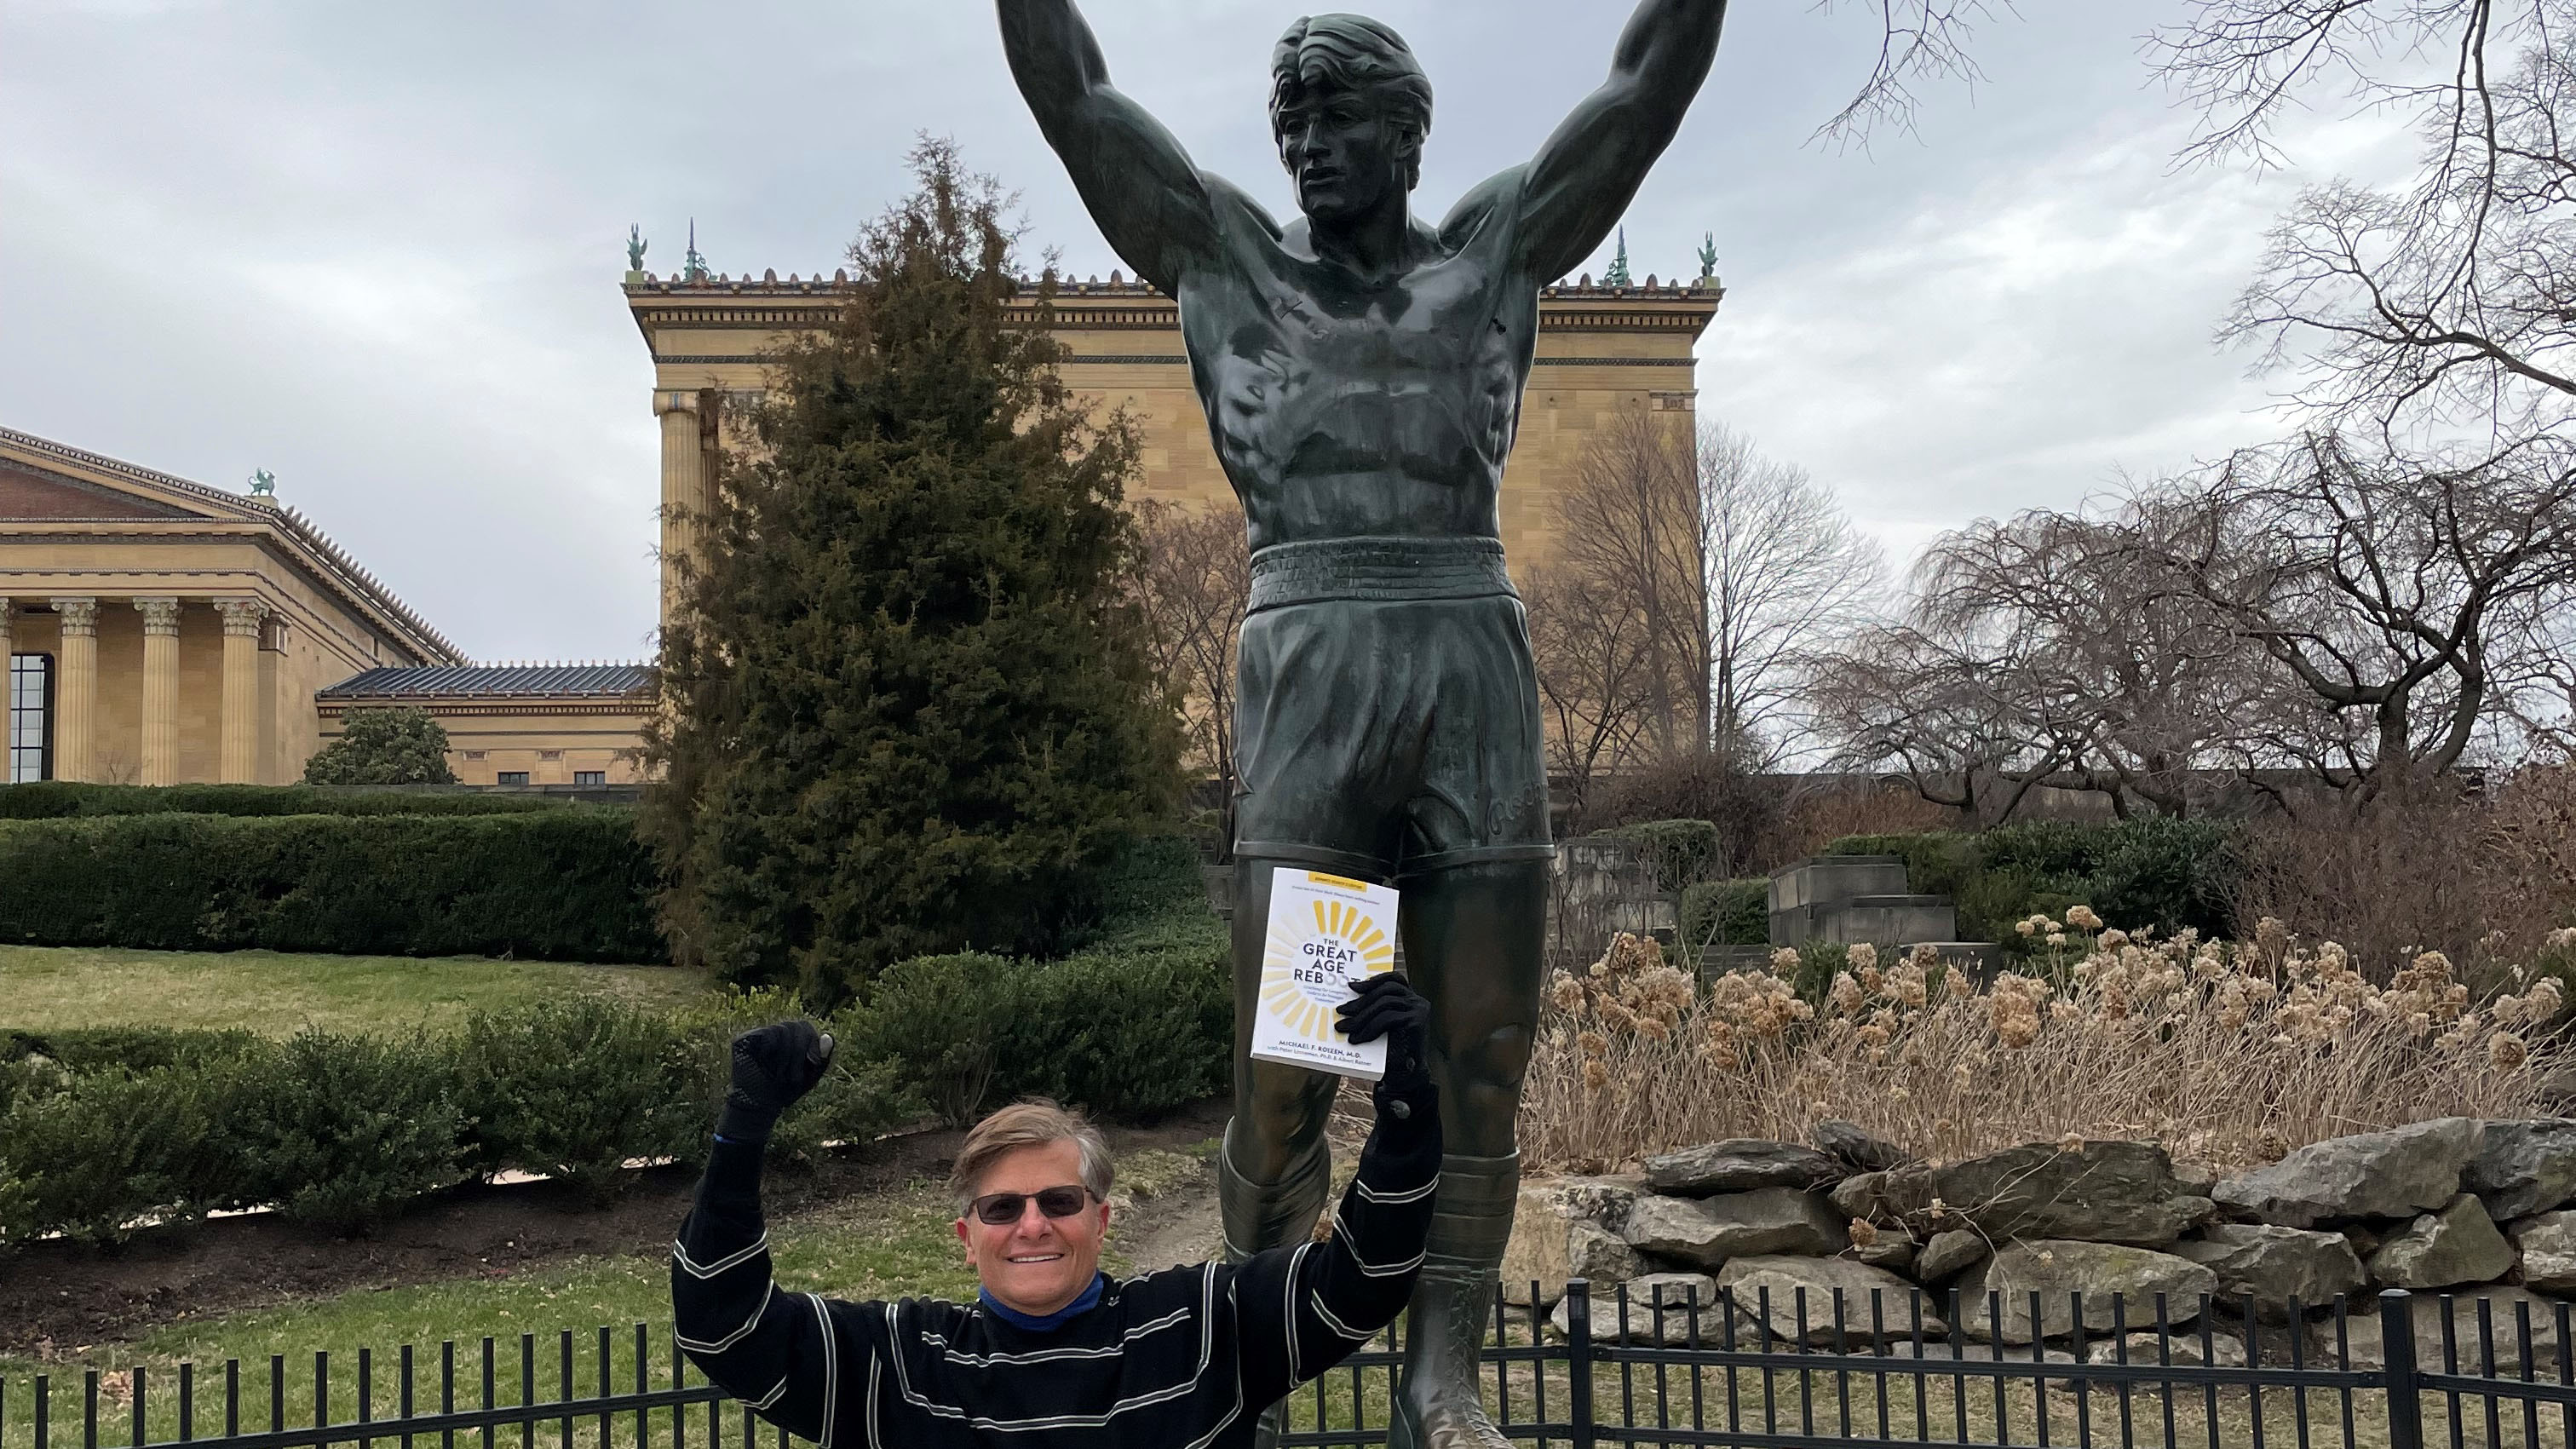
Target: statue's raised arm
(1149, 200)
(1582, 178)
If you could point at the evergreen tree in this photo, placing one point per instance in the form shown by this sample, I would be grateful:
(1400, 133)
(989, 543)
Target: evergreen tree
(907, 709)
(398, 746)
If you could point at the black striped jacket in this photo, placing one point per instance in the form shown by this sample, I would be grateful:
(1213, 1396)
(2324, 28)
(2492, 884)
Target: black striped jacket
(1182, 1359)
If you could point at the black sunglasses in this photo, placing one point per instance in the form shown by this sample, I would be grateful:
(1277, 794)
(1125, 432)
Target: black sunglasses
(999, 1209)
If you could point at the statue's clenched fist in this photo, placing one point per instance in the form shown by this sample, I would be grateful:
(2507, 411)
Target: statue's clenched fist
(773, 1065)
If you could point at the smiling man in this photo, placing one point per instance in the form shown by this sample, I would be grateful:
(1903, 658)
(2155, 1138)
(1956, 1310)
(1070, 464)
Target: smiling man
(1361, 370)
(1053, 1352)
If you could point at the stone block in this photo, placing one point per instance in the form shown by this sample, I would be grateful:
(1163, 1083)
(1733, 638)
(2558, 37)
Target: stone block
(2397, 1173)
(2457, 1245)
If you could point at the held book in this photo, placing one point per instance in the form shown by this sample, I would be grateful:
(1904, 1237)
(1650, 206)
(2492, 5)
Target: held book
(1327, 933)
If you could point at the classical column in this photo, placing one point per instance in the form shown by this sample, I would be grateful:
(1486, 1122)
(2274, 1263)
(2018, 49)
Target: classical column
(8, 699)
(241, 689)
(160, 690)
(76, 691)
(684, 484)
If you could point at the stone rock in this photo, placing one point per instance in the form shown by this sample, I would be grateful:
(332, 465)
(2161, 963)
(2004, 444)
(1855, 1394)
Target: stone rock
(1856, 1148)
(1708, 1231)
(1643, 1320)
(1536, 1254)
(2457, 1245)
(1784, 1277)
(1858, 1196)
(1947, 1255)
(2524, 1167)
(2107, 1192)
(2548, 1244)
(2275, 1265)
(2057, 1269)
(2393, 1174)
(1892, 1253)
(1740, 1164)
(2367, 1345)
(1944, 1351)
(1594, 1252)
(2225, 1351)
(1604, 1200)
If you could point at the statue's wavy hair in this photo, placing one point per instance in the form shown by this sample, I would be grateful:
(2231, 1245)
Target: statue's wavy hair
(1356, 54)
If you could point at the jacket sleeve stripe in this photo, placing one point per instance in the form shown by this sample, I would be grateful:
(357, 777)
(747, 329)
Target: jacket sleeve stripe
(735, 1259)
(737, 1336)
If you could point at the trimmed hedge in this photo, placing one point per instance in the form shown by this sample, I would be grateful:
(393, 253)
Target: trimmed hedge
(2160, 870)
(1726, 913)
(59, 799)
(560, 885)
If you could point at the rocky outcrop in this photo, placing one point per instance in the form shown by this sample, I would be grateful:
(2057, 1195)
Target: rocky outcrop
(1947, 1255)
(1658, 1310)
(1782, 1293)
(1853, 1145)
(2398, 1173)
(1599, 1255)
(2547, 1244)
(1740, 1165)
(2108, 1192)
(2524, 1168)
(2224, 1350)
(2367, 1345)
(2457, 1245)
(1558, 1233)
(1705, 1232)
(2275, 1265)
(2057, 1270)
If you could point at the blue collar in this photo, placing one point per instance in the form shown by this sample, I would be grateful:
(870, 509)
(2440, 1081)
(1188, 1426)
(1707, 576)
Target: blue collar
(1051, 1322)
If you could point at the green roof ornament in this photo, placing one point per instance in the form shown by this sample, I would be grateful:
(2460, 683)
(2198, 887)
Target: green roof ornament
(635, 248)
(263, 484)
(1708, 257)
(693, 268)
(1617, 276)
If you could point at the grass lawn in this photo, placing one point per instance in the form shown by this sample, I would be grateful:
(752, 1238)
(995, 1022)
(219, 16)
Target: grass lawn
(51, 988)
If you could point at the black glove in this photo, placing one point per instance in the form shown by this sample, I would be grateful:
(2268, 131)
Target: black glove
(773, 1065)
(1388, 1006)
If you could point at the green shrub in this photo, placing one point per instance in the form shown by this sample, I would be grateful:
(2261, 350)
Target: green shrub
(342, 1130)
(1683, 852)
(89, 1154)
(2163, 871)
(1133, 1028)
(1726, 913)
(564, 885)
(573, 1089)
(400, 745)
(56, 799)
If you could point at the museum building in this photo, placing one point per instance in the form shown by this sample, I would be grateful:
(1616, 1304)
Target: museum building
(161, 631)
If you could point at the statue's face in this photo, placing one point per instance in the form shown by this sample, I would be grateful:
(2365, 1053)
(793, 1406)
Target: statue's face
(1348, 157)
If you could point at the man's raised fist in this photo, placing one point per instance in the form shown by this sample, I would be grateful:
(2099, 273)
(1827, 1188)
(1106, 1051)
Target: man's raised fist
(773, 1065)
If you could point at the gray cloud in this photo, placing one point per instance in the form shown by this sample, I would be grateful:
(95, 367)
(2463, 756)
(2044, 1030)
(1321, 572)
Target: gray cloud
(375, 249)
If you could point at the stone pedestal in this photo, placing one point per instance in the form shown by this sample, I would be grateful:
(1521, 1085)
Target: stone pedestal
(1851, 899)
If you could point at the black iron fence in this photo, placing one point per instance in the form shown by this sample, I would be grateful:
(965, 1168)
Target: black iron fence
(2401, 1371)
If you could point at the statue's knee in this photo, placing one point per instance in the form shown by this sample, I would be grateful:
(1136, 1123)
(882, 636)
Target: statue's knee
(1499, 1058)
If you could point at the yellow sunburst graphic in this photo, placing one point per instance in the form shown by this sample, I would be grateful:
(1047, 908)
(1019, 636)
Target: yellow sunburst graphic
(1307, 1008)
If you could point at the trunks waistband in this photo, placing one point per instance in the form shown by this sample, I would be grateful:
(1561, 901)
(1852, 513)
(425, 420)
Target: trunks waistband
(1378, 568)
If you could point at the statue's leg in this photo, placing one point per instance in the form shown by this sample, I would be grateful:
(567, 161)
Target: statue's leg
(1474, 936)
(1275, 1169)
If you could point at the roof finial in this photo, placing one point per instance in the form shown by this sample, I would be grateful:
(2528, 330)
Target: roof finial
(635, 247)
(1617, 276)
(693, 268)
(1708, 256)
(263, 484)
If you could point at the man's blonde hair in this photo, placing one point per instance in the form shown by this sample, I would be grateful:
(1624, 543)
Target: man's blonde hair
(1030, 1122)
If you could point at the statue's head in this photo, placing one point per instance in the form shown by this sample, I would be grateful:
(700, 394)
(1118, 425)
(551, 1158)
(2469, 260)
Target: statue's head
(1349, 106)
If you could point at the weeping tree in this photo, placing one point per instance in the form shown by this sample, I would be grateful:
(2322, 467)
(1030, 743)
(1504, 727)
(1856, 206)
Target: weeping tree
(906, 706)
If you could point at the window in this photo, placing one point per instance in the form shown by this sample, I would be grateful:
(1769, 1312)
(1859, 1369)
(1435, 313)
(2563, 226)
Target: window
(514, 777)
(28, 753)
(590, 777)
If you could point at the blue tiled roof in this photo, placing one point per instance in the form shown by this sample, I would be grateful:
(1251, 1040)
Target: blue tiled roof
(503, 681)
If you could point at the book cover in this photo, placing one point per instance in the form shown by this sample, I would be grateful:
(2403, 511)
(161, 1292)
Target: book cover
(1327, 933)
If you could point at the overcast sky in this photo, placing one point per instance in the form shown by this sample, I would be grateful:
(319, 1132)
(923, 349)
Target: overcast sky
(376, 248)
